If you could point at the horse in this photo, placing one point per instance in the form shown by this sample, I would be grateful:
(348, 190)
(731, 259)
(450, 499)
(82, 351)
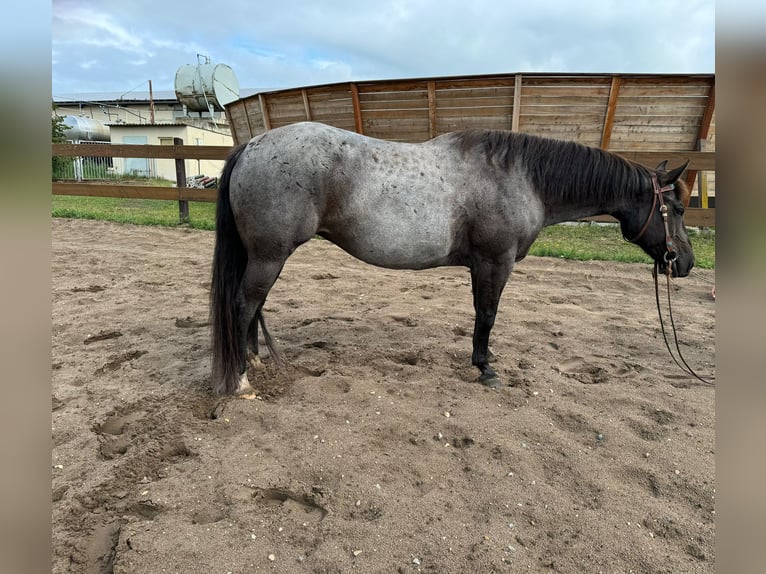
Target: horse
(473, 198)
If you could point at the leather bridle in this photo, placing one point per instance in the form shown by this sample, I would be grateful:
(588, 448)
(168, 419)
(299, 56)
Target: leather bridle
(669, 256)
(670, 251)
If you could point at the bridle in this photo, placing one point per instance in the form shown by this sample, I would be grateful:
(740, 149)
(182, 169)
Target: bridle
(669, 256)
(670, 251)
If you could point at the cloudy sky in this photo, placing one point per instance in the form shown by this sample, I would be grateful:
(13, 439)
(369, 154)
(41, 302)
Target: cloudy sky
(117, 46)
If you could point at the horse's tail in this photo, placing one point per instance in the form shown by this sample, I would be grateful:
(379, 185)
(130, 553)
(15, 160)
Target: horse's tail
(229, 263)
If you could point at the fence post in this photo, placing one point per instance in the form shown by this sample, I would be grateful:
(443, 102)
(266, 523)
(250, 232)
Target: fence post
(183, 206)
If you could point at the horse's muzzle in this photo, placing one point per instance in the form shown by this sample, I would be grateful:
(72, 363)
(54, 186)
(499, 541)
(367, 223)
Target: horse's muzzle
(678, 267)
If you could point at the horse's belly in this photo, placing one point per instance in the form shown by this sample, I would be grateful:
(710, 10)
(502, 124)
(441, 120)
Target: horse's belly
(395, 243)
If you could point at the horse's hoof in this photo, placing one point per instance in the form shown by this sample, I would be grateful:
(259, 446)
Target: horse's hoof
(490, 380)
(255, 362)
(244, 390)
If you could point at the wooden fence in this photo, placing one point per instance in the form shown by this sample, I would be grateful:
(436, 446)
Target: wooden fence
(696, 217)
(622, 113)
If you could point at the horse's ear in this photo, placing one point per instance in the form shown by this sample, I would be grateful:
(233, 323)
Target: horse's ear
(673, 175)
(663, 165)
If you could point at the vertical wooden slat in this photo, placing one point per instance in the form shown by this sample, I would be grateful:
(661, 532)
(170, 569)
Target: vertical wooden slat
(183, 205)
(357, 108)
(250, 132)
(702, 179)
(516, 104)
(702, 135)
(306, 105)
(264, 112)
(614, 93)
(707, 117)
(431, 109)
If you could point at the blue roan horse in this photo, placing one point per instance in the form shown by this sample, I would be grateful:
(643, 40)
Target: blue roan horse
(474, 198)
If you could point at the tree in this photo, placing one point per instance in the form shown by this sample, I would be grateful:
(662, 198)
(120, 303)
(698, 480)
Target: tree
(61, 165)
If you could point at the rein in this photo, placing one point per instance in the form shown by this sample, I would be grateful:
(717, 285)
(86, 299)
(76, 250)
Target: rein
(685, 367)
(669, 256)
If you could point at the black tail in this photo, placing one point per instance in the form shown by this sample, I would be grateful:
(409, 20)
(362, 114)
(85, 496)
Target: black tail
(229, 262)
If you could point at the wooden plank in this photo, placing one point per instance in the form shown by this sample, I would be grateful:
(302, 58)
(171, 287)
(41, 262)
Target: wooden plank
(392, 86)
(707, 116)
(264, 112)
(254, 120)
(575, 93)
(419, 95)
(183, 205)
(698, 160)
(134, 191)
(531, 81)
(626, 100)
(570, 104)
(655, 138)
(234, 115)
(516, 112)
(394, 105)
(431, 109)
(445, 125)
(611, 106)
(141, 151)
(467, 103)
(503, 112)
(537, 116)
(693, 217)
(473, 83)
(696, 90)
(306, 105)
(689, 131)
(357, 110)
(250, 128)
(320, 96)
(667, 80)
(475, 92)
(625, 120)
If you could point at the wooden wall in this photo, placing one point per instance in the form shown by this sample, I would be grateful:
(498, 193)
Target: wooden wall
(621, 113)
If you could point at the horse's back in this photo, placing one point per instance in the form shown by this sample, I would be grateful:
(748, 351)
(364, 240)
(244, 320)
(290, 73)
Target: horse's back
(386, 203)
(391, 204)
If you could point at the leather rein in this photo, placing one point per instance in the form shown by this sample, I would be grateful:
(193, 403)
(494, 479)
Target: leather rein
(669, 256)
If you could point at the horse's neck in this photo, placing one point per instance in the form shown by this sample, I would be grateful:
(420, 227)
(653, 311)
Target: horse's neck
(568, 211)
(579, 201)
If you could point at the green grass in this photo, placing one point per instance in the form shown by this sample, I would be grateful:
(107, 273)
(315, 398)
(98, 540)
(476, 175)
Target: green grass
(136, 211)
(586, 241)
(581, 242)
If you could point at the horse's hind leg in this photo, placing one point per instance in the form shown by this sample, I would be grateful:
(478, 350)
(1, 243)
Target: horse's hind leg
(487, 281)
(252, 336)
(258, 280)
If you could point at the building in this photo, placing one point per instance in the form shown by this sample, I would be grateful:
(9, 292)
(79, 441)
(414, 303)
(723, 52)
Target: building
(147, 118)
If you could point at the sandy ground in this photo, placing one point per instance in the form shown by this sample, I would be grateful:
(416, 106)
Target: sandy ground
(377, 451)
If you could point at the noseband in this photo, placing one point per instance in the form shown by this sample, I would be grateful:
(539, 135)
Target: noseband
(670, 251)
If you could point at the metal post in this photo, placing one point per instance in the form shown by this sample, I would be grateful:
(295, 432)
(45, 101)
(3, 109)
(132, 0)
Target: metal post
(183, 206)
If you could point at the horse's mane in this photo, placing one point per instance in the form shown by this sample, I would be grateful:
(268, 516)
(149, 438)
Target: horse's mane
(560, 170)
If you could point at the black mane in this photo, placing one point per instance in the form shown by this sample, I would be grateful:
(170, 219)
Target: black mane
(560, 170)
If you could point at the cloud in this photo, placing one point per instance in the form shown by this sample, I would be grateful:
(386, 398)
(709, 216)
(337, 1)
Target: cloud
(84, 26)
(296, 43)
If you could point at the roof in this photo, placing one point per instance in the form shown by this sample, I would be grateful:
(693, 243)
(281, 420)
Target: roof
(135, 97)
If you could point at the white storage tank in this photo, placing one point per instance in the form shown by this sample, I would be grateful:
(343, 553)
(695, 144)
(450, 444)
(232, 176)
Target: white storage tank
(79, 129)
(200, 85)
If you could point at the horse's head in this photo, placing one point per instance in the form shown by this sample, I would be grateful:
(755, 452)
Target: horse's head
(657, 224)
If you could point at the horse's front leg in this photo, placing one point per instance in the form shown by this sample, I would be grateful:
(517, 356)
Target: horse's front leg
(488, 278)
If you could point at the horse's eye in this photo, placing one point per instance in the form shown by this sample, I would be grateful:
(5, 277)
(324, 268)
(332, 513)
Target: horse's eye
(679, 209)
